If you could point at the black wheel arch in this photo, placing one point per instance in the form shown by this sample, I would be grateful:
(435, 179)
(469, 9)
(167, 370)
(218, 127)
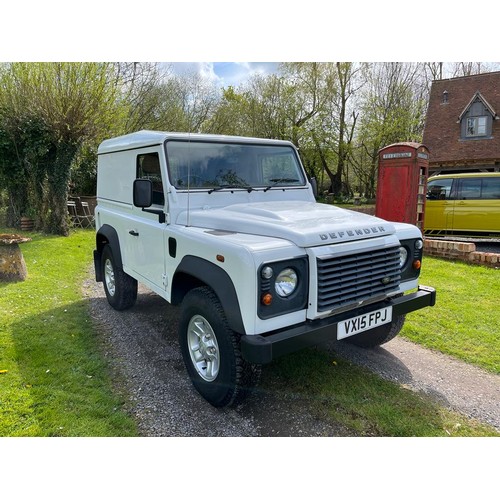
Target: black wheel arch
(194, 272)
(106, 235)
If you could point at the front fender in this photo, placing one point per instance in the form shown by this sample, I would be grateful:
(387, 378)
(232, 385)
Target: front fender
(195, 271)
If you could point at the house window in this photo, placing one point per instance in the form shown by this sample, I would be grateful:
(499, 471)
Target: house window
(476, 126)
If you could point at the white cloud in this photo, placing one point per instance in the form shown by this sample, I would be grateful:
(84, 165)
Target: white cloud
(205, 69)
(224, 74)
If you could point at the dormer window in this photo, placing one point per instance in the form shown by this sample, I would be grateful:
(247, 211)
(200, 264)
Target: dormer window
(476, 119)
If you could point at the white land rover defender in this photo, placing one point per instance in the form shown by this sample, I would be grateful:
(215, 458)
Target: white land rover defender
(228, 227)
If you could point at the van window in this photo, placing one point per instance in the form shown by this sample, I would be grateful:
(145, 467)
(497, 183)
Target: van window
(485, 188)
(148, 167)
(470, 189)
(439, 189)
(491, 188)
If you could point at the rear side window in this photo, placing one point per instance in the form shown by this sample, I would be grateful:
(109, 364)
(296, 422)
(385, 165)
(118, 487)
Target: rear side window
(148, 167)
(470, 189)
(480, 188)
(491, 188)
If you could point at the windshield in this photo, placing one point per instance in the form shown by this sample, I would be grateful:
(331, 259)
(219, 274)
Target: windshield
(208, 165)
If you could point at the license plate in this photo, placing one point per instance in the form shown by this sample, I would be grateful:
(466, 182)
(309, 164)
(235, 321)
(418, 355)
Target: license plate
(363, 322)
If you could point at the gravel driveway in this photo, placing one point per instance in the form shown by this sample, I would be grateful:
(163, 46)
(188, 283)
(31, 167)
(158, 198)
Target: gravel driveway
(142, 348)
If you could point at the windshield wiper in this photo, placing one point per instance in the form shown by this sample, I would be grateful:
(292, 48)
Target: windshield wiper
(231, 186)
(281, 179)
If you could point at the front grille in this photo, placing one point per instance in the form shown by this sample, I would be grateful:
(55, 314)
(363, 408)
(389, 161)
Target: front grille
(348, 279)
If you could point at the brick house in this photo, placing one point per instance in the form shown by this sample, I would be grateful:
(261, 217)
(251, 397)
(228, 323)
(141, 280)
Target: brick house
(462, 127)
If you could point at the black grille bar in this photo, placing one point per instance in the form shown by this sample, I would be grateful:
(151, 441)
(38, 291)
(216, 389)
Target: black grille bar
(348, 279)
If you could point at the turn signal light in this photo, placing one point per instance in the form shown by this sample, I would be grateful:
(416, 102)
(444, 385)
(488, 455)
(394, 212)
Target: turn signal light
(417, 264)
(266, 299)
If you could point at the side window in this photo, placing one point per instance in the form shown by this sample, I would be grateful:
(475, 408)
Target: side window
(439, 189)
(470, 189)
(491, 188)
(148, 167)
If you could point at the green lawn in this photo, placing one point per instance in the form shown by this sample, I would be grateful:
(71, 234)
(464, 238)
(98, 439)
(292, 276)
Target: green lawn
(54, 381)
(341, 392)
(465, 322)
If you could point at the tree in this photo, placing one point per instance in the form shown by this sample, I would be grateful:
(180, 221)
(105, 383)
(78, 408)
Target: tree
(393, 110)
(468, 68)
(47, 111)
(308, 104)
(138, 82)
(433, 71)
(334, 132)
(182, 103)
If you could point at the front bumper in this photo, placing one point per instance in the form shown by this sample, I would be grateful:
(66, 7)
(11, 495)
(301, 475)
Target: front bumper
(261, 349)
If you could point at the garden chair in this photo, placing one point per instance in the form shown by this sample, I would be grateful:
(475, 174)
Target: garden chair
(73, 213)
(87, 216)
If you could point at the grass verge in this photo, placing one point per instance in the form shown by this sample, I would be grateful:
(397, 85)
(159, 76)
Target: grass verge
(344, 393)
(465, 322)
(54, 381)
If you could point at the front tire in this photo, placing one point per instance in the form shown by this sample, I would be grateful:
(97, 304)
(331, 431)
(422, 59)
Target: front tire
(211, 351)
(120, 288)
(379, 335)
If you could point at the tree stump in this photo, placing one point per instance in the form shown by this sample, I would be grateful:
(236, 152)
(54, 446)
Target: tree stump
(12, 265)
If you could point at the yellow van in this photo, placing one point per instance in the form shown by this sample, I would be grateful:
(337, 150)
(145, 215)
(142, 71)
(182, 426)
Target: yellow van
(463, 204)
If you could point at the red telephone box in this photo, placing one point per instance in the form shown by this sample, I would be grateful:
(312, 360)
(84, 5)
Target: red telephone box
(403, 169)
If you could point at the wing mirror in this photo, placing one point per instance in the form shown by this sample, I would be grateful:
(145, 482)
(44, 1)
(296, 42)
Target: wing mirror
(143, 193)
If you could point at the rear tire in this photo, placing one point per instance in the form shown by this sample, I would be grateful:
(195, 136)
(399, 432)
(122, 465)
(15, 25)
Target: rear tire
(211, 351)
(120, 288)
(379, 335)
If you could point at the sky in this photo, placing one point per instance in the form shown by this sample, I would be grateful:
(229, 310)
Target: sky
(224, 74)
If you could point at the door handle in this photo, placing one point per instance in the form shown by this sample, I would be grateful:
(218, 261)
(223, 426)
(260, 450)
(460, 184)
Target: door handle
(133, 233)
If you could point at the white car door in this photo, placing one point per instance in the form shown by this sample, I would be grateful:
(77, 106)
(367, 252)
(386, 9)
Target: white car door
(146, 234)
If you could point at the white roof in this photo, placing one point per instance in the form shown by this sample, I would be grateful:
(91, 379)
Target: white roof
(146, 138)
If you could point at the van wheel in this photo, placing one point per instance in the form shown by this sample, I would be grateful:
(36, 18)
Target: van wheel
(211, 351)
(120, 288)
(379, 335)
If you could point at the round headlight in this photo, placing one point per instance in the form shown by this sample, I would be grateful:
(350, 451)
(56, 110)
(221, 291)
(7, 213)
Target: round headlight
(286, 282)
(419, 244)
(403, 256)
